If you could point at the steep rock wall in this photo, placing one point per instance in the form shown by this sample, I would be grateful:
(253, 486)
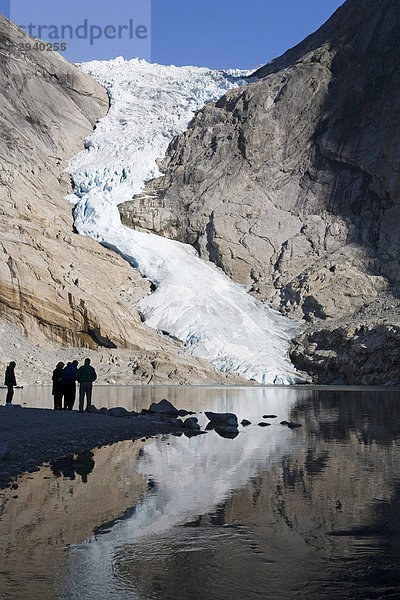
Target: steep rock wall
(56, 286)
(292, 184)
(289, 180)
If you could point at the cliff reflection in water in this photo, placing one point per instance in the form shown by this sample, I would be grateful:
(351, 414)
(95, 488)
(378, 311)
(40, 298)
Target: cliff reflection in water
(317, 517)
(280, 514)
(53, 508)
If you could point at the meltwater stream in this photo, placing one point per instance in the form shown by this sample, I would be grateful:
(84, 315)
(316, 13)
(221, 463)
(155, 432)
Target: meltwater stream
(194, 301)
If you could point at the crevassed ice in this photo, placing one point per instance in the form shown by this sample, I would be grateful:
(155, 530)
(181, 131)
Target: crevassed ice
(194, 301)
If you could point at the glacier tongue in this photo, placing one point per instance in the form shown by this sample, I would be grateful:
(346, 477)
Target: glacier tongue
(194, 300)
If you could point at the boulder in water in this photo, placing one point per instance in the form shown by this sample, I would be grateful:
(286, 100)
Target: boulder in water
(176, 422)
(222, 419)
(229, 432)
(163, 407)
(191, 423)
(193, 432)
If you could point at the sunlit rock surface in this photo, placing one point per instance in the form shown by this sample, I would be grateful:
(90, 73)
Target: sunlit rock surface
(291, 184)
(54, 284)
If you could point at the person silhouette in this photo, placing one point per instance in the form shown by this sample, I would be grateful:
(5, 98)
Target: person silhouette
(69, 384)
(10, 382)
(86, 376)
(84, 464)
(58, 388)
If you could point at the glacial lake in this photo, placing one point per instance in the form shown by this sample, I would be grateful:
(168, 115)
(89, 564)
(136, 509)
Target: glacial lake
(311, 513)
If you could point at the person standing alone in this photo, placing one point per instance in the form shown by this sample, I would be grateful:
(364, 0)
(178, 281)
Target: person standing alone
(10, 382)
(86, 376)
(58, 390)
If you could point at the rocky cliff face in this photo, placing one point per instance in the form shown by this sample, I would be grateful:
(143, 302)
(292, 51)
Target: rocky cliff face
(54, 284)
(291, 184)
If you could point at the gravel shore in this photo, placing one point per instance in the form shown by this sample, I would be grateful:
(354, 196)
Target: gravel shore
(30, 437)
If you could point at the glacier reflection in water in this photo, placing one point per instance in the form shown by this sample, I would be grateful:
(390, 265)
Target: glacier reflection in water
(274, 513)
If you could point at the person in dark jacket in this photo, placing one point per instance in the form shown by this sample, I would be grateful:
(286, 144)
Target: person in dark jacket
(10, 382)
(86, 376)
(58, 387)
(69, 383)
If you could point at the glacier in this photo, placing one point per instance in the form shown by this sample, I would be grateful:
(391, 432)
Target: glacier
(194, 300)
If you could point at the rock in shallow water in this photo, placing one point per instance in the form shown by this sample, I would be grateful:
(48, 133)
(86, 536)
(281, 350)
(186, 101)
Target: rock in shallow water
(193, 432)
(294, 425)
(229, 432)
(222, 419)
(191, 423)
(164, 407)
(183, 413)
(245, 422)
(176, 422)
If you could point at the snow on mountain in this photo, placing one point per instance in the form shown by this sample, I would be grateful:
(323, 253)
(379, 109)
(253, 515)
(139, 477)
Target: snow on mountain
(194, 300)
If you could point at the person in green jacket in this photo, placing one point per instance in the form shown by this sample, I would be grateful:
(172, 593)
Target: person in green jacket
(86, 376)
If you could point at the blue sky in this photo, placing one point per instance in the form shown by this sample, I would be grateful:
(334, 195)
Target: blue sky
(232, 33)
(213, 33)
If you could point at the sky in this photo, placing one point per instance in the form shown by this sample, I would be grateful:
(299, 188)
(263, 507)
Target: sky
(213, 33)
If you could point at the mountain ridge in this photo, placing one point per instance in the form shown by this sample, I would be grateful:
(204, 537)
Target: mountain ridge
(291, 184)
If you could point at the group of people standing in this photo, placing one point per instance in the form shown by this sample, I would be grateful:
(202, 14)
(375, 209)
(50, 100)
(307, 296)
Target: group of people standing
(64, 385)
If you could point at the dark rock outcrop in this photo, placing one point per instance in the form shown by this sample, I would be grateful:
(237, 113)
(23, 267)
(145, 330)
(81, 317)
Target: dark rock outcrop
(291, 185)
(362, 349)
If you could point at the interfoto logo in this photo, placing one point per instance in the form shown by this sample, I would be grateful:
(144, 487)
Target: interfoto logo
(87, 31)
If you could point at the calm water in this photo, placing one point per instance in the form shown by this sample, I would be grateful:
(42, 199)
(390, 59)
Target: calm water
(311, 514)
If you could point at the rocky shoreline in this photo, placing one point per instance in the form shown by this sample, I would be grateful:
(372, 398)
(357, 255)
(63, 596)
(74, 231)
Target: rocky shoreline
(31, 437)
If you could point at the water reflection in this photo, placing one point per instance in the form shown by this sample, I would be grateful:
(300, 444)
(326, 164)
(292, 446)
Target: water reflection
(372, 417)
(52, 508)
(311, 513)
(82, 464)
